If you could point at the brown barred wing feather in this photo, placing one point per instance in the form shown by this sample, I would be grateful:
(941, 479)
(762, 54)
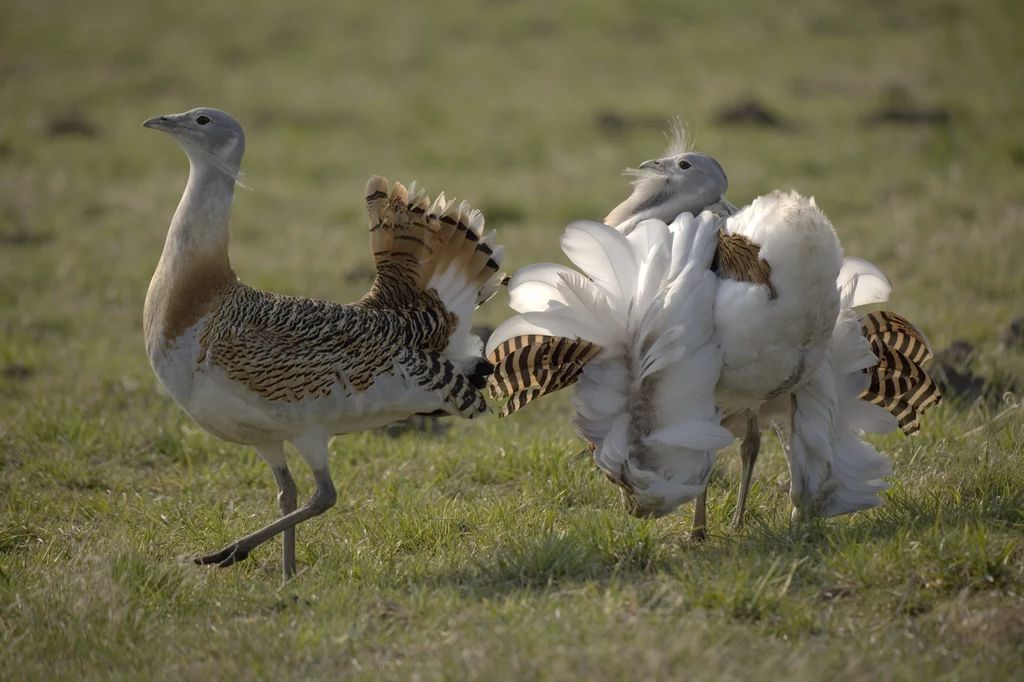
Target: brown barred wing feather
(899, 383)
(529, 366)
(285, 348)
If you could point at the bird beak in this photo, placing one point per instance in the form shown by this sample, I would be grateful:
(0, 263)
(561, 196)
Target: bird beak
(159, 123)
(648, 165)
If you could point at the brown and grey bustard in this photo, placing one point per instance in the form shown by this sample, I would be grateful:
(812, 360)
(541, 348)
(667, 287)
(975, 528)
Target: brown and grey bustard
(260, 369)
(794, 353)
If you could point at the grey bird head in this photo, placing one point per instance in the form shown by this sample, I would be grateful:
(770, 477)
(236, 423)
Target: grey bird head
(696, 176)
(680, 182)
(208, 136)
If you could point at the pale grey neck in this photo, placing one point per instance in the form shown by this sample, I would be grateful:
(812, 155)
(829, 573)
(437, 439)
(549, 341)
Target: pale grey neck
(201, 224)
(665, 204)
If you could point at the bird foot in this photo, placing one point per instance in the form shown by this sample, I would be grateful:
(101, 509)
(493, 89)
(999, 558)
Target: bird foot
(228, 556)
(815, 507)
(698, 535)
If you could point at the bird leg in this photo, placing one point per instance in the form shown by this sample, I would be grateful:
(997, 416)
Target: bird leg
(287, 500)
(700, 517)
(323, 499)
(273, 455)
(748, 455)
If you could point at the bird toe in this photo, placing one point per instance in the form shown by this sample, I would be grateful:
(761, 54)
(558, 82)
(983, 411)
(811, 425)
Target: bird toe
(228, 556)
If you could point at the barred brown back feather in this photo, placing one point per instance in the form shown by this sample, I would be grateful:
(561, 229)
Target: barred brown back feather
(898, 382)
(529, 366)
(898, 333)
(738, 258)
(286, 348)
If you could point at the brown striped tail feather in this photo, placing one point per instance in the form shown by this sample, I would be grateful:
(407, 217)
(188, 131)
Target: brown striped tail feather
(529, 366)
(899, 384)
(413, 240)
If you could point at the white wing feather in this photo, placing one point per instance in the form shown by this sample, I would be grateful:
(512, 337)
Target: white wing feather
(603, 255)
(829, 437)
(862, 283)
(647, 401)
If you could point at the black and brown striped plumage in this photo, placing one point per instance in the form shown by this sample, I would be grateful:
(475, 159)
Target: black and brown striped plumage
(899, 384)
(412, 241)
(739, 258)
(529, 366)
(288, 348)
(285, 348)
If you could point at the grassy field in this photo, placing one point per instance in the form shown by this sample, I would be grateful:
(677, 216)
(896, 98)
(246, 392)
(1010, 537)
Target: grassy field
(494, 551)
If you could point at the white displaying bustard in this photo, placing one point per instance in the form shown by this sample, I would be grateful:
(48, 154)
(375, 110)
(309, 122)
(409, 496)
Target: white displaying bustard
(636, 329)
(795, 355)
(260, 369)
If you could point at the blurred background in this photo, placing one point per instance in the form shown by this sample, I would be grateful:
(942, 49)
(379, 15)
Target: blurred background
(905, 119)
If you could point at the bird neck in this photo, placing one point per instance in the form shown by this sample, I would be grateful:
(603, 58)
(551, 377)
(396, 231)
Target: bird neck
(194, 265)
(200, 229)
(652, 198)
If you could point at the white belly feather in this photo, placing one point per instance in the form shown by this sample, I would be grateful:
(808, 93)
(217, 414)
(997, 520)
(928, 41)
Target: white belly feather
(772, 346)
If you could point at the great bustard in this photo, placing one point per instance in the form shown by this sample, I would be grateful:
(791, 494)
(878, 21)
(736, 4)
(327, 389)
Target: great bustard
(782, 317)
(889, 352)
(261, 369)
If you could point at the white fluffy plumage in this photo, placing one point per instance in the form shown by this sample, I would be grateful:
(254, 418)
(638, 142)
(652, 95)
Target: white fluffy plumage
(835, 471)
(680, 346)
(773, 340)
(646, 401)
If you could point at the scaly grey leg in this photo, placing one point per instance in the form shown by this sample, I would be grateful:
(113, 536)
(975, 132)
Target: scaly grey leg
(287, 500)
(700, 517)
(748, 456)
(287, 494)
(314, 451)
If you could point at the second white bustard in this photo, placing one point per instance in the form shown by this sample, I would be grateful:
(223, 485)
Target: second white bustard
(637, 330)
(778, 330)
(889, 347)
(260, 369)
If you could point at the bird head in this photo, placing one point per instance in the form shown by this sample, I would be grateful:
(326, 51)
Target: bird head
(208, 136)
(680, 182)
(696, 179)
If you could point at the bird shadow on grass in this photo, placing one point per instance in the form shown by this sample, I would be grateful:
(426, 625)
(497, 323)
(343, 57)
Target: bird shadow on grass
(989, 498)
(596, 551)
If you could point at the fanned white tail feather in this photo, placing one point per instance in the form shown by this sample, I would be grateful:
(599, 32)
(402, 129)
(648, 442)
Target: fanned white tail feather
(646, 402)
(835, 472)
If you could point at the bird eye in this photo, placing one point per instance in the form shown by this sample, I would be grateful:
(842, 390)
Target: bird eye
(684, 164)
(203, 120)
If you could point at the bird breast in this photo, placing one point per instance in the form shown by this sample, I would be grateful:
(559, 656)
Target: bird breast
(770, 346)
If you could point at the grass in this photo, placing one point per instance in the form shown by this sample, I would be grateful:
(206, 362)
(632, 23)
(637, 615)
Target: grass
(494, 551)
